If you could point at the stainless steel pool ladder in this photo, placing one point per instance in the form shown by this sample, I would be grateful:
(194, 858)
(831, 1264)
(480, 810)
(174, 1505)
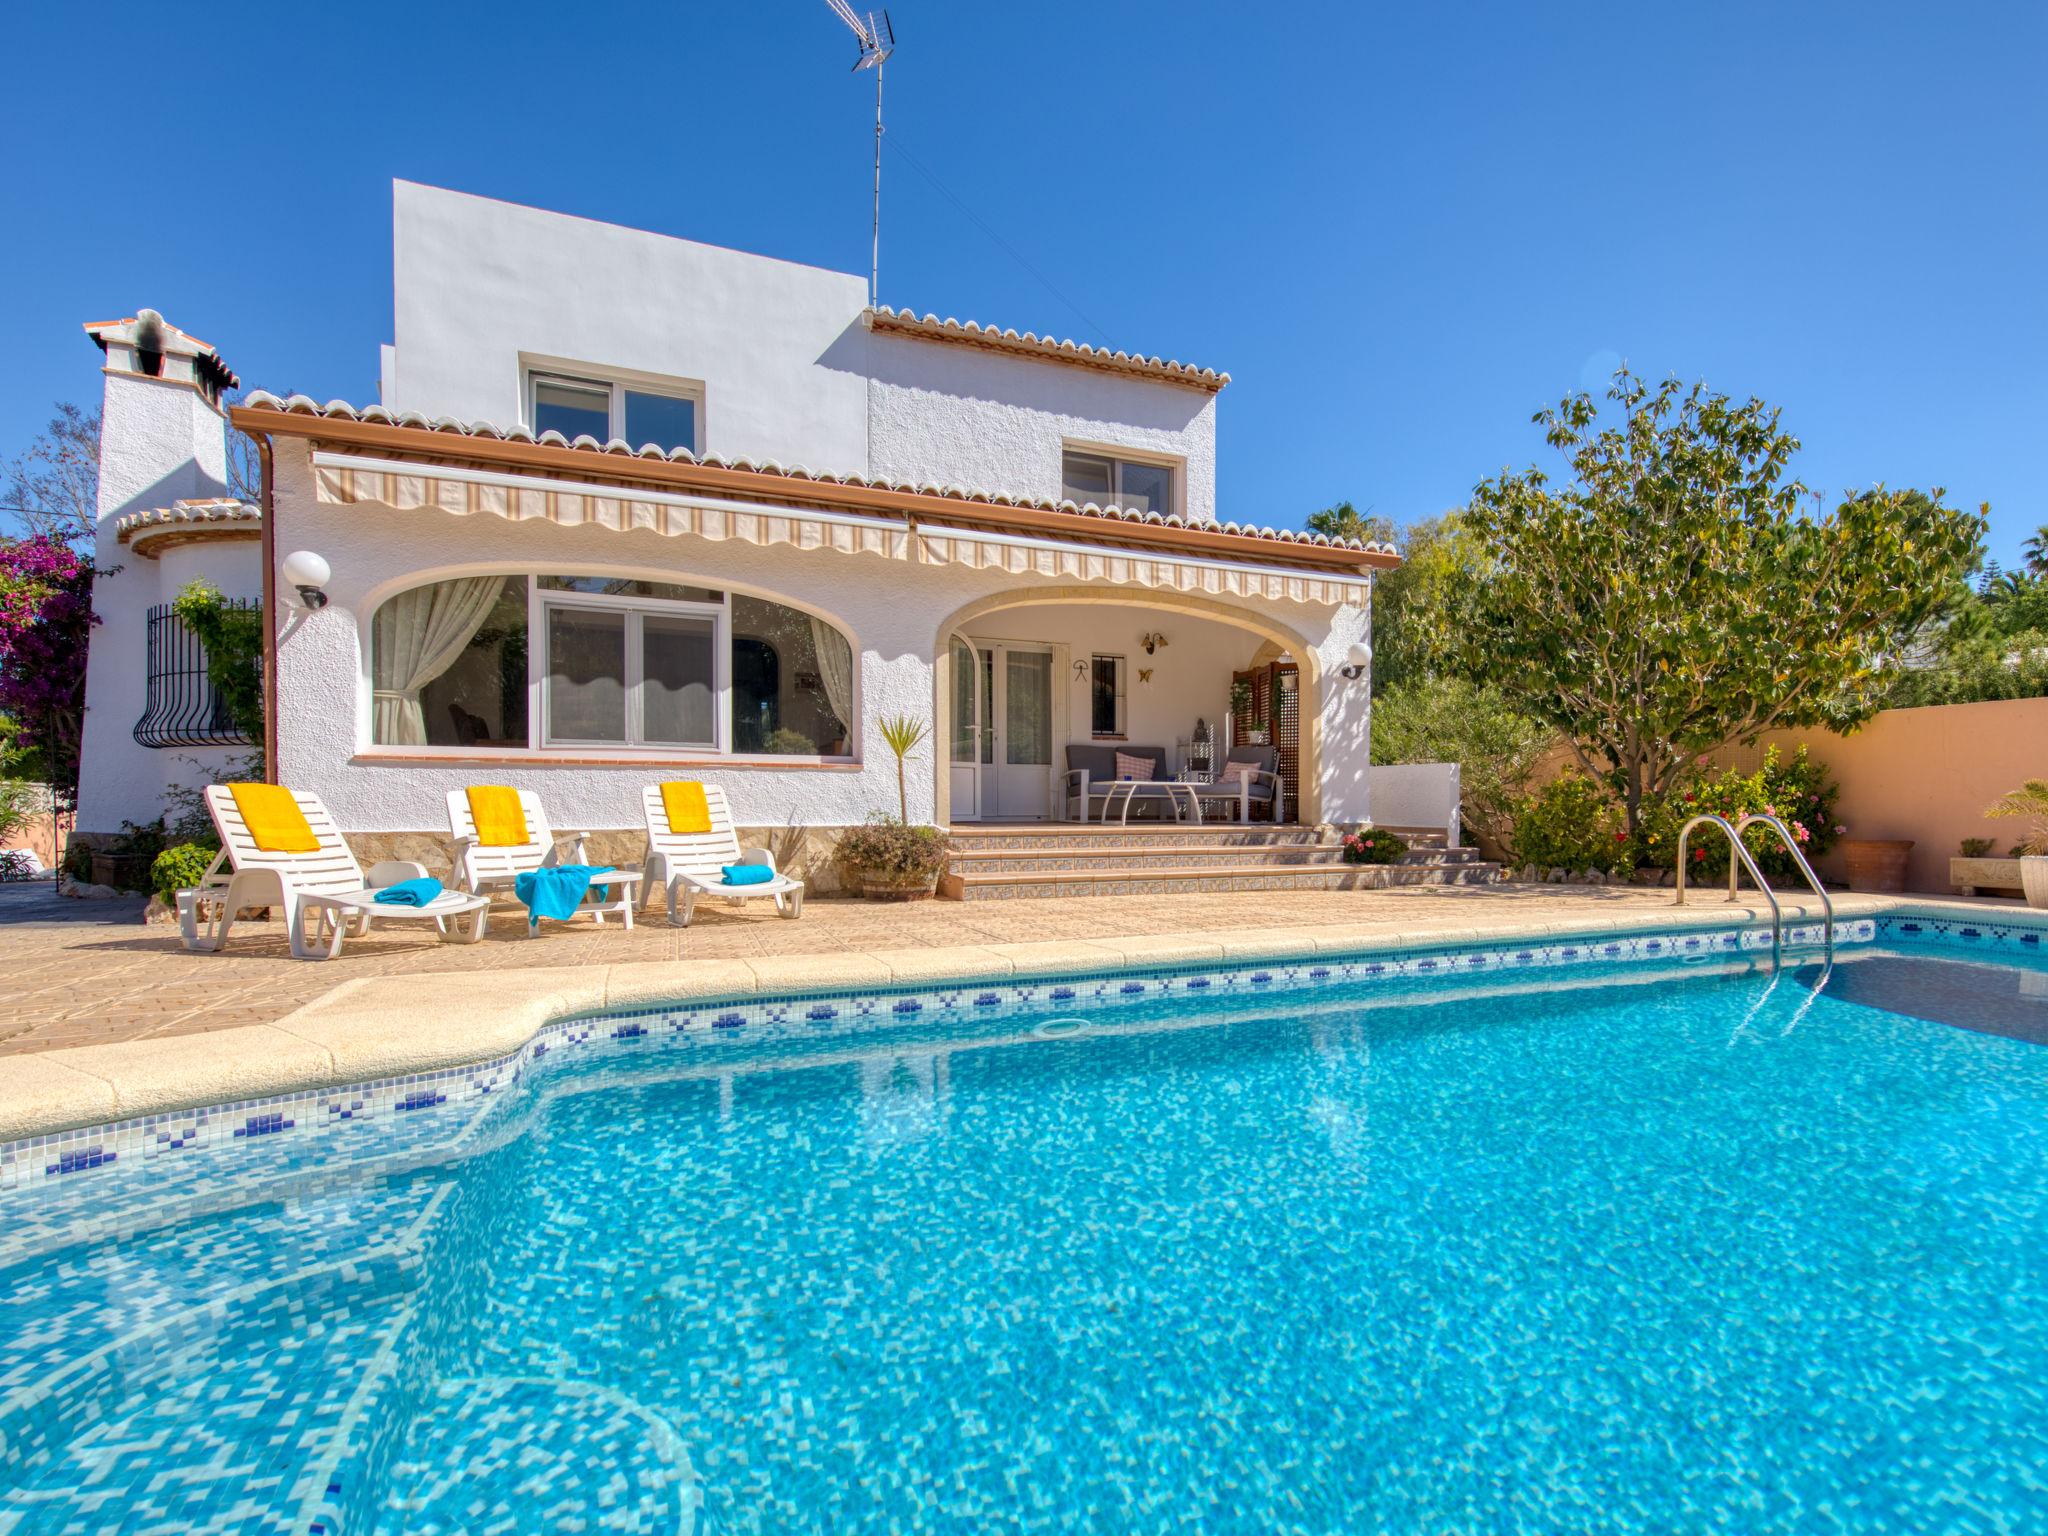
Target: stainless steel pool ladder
(1740, 859)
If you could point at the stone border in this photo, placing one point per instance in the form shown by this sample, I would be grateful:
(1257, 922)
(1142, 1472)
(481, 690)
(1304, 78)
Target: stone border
(379, 1028)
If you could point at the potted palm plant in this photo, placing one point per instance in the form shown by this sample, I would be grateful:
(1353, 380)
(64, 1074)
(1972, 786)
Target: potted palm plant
(2030, 801)
(888, 859)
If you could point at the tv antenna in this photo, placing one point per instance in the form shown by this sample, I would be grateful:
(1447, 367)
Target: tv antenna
(877, 41)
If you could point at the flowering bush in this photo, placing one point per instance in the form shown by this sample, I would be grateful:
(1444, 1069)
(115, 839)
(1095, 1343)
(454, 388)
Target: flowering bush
(45, 621)
(1798, 792)
(1573, 824)
(1373, 845)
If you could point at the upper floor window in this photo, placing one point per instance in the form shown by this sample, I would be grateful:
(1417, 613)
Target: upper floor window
(605, 409)
(1134, 484)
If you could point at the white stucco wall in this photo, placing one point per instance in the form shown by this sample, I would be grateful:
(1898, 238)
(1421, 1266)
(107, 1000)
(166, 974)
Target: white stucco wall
(891, 610)
(161, 443)
(986, 419)
(788, 370)
(477, 283)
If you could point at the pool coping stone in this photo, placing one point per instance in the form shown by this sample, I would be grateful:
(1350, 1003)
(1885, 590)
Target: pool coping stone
(378, 1028)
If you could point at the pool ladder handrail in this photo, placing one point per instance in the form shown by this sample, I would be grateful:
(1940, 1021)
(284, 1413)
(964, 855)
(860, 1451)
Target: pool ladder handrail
(1741, 853)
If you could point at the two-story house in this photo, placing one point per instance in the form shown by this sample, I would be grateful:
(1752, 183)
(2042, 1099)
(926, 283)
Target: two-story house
(634, 507)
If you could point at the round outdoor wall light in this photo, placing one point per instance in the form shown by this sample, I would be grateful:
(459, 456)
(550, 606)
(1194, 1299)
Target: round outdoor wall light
(1356, 660)
(307, 573)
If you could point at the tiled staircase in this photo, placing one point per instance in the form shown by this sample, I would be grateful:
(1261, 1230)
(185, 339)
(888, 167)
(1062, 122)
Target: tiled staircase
(1068, 859)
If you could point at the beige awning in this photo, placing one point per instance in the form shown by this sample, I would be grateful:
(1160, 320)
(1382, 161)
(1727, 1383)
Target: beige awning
(1131, 568)
(347, 479)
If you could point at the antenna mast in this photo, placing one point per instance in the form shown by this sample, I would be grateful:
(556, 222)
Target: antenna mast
(877, 41)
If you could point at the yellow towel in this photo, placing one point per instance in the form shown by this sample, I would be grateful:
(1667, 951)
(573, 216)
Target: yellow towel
(499, 817)
(687, 809)
(274, 819)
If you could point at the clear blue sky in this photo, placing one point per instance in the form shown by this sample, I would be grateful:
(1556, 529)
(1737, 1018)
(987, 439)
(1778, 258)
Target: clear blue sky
(1402, 228)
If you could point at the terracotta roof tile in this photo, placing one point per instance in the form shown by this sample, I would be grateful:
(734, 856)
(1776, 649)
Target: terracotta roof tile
(304, 405)
(905, 322)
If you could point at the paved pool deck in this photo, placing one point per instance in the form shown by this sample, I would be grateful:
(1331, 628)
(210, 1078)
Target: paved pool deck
(105, 1018)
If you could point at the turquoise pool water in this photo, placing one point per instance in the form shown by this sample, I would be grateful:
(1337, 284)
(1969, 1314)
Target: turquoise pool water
(1647, 1248)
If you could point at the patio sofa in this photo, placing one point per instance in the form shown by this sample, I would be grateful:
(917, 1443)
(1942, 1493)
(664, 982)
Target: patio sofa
(1084, 788)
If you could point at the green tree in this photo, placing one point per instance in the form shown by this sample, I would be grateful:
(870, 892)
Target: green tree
(1415, 605)
(1448, 720)
(1672, 595)
(2036, 551)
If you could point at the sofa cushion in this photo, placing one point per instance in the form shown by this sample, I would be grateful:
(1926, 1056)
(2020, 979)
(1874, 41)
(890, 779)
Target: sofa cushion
(1100, 762)
(1132, 767)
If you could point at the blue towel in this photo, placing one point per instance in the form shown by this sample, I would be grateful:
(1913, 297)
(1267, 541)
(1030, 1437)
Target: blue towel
(748, 874)
(558, 892)
(409, 893)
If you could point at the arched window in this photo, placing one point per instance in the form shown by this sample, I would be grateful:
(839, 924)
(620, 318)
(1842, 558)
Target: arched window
(607, 663)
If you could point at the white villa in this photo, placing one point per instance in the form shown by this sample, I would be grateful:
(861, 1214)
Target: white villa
(632, 508)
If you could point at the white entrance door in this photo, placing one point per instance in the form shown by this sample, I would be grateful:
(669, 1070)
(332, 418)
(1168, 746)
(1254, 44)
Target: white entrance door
(1017, 786)
(970, 727)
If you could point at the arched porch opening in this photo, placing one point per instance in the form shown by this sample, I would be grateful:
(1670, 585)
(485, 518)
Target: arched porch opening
(1043, 636)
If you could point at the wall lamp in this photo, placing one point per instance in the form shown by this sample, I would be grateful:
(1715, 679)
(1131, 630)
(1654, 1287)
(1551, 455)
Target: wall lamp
(308, 573)
(1356, 660)
(1153, 641)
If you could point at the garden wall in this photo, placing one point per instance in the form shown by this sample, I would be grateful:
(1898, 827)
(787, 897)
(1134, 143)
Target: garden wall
(1926, 774)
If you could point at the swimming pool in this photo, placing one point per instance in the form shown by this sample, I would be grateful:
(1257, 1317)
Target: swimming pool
(1485, 1241)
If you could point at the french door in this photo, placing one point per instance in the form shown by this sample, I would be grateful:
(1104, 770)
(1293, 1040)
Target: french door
(1005, 718)
(970, 727)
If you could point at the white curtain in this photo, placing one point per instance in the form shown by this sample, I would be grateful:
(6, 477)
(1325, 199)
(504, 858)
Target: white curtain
(417, 636)
(835, 670)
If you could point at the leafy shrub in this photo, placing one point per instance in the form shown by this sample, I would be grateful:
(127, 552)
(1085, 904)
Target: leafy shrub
(1977, 847)
(1798, 792)
(1373, 845)
(1476, 726)
(1574, 824)
(233, 639)
(17, 864)
(886, 845)
(179, 868)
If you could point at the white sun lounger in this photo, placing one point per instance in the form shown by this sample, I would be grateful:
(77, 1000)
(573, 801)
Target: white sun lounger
(480, 868)
(692, 864)
(324, 889)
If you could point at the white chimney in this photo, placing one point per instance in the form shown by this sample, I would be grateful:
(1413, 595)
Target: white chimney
(163, 437)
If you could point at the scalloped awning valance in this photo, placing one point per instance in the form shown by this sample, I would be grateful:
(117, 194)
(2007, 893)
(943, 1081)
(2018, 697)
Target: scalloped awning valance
(350, 479)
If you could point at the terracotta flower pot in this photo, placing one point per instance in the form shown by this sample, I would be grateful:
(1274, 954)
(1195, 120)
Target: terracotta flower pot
(1876, 864)
(122, 871)
(892, 886)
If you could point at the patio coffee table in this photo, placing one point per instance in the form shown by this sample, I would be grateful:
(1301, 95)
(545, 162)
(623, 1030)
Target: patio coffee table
(1178, 795)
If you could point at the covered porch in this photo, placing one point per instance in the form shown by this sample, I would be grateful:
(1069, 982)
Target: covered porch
(1091, 708)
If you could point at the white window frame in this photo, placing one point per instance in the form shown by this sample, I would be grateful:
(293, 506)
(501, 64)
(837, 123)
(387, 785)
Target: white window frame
(540, 679)
(616, 382)
(1118, 459)
(1123, 698)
